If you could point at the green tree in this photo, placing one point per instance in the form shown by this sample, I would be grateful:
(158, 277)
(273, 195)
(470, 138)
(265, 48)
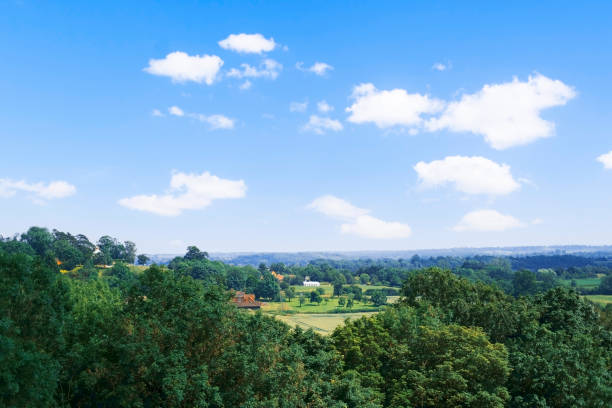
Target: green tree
(267, 288)
(605, 286)
(315, 297)
(194, 253)
(67, 254)
(379, 298)
(33, 309)
(338, 283)
(129, 252)
(524, 283)
(413, 359)
(290, 293)
(143, 259)
(40, 239)
(350, 302)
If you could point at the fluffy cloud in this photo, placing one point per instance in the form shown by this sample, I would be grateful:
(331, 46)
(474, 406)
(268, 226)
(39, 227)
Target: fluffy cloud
(357, 221)
(248, 43)
(215, 121)
(39, 191)
(487, 220)
(606, 160)
(506, 114)
(298, 106)
(470, 175)
(246, 85)
(176, 111)
(318, 68)
(157, 112)
(187, 191)
(438, 66)
(324, 107)
(319, 125)
(390, 108)
(267, 69)
(182, 67)
(336, 207)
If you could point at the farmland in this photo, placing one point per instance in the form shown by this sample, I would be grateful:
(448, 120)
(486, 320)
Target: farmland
(323, 323)
(600, 299)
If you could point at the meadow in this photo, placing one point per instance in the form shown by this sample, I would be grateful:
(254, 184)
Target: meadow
(601, 299)
(323, 323)
(583, 283)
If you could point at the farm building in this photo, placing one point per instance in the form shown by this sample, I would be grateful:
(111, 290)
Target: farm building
(246, 301)
(311, 283)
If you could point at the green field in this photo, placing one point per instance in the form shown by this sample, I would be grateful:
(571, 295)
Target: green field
(601, 299)
(328, 305)
(585, 283)
(320, 323)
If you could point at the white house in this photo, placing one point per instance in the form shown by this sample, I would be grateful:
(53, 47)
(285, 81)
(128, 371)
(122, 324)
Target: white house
(311, 283)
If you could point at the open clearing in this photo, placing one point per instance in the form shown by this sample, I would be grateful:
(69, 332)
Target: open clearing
(601, 299)
(320, 323)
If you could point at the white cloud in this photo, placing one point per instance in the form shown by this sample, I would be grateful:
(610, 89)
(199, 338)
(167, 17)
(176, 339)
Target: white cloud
(176, 111)
(336, 207)
(606, 160)
(267, 69)
(324, 107)
(506, 114)
(246, 85)
(187, 191)
(470, 175)
(390, 108)
(248, 43)
(298, 106)
(215, 121)
(318, 68)
(319, 125)
(49, 191)
(182, 67)
(357, 221)
(367, 226)
(157, 112)
(438, 66)
(487, 220)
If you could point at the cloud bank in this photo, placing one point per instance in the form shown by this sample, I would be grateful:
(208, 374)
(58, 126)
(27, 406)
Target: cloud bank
(357, 221)
(188, 191)
(470, 175)
(39, 191)
(487, 221)
(181, 67)
(248, 43)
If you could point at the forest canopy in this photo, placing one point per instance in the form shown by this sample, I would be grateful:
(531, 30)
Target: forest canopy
(169, 336)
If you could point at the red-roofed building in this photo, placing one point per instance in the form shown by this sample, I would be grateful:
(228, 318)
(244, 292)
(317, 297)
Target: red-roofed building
(246, 301)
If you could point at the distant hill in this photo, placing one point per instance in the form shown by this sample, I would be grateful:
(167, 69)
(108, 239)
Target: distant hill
(303, 258)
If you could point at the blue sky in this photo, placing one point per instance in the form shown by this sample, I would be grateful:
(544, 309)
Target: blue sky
(496, 146)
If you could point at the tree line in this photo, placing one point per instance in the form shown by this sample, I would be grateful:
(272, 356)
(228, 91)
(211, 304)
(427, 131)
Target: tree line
(169, 336)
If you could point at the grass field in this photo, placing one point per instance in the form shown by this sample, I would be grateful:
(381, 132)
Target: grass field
(601, 299)
(586, 283)
(328, 305)
(320, 323)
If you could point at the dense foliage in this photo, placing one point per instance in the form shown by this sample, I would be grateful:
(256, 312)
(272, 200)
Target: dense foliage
(169, 336)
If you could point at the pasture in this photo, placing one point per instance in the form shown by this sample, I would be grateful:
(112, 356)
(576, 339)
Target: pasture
(601, 299)
(321, 323)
